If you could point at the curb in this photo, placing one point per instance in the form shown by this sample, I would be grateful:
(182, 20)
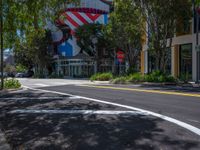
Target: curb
(11, 90)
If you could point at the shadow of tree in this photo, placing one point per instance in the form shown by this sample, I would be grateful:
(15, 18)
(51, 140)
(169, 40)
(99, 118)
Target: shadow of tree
(84, 132)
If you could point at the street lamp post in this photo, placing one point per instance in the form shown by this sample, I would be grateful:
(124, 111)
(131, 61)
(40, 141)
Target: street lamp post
(1, 32)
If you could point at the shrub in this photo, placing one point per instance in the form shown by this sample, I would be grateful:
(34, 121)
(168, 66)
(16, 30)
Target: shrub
(12, 84)
(119, 80)
(21, 68)
(101, 77)
(171, 79)
(159, 77)
(136, 77)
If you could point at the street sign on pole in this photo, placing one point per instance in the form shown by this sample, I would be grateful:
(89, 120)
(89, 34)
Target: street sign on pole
(120, 56)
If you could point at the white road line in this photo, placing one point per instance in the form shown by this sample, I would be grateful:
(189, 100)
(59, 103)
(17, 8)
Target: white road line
(82, 112)
(32, 98)
(40, 84)
(169, 119)
(74, 97)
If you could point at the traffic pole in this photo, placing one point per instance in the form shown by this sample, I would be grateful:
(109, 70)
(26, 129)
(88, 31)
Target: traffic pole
(1, 32)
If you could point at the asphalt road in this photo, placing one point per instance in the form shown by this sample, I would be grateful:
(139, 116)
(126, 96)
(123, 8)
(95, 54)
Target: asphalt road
(39, 120)
(186, 109)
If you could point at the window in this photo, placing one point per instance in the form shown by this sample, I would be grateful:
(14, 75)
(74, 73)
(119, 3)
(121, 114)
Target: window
(186, 62)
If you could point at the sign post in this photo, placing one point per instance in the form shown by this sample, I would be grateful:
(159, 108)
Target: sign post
(120, 58)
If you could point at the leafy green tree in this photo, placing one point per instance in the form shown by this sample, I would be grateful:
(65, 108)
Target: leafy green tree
(85, 37)
(162, 18)
(27, 16)
(124, 29)
(10, 69)
(24, 30)
(35, 52)
(21, 68)
(92, 39)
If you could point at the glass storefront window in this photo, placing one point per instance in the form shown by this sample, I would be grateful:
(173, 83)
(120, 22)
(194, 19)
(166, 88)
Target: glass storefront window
(186, 62)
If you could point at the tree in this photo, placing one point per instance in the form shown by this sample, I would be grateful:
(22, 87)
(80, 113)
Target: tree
(92, 39)
(124, 29)
(26, 18)
(162, 18)
(85, 37)
(35, 52)
(20, 18)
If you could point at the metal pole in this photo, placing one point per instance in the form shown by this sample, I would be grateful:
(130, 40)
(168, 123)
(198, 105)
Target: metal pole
(197, 45)
(1, 32)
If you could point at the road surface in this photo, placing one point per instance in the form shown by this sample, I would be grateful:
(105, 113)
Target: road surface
(76, 114)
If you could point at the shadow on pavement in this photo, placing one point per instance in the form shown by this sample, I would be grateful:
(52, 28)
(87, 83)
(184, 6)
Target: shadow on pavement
(85, 132)
(173, 88)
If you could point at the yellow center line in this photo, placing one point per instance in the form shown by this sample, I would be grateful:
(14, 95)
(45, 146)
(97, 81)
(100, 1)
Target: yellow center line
(146, 91)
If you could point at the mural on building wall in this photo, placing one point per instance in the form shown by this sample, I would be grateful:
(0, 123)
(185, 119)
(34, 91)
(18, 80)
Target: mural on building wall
(63, 31)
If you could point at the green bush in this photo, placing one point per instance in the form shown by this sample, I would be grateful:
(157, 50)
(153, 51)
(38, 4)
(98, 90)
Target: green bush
(136, 77)
(158, 77)
(101, 77)
(12, 84)
(171, 79)
(21, 68)
(119, 80)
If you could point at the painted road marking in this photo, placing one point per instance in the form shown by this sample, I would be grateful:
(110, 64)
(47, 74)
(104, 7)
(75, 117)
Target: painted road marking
(74, 97)
(31, 98)
(81, 112)
(142, 90)
(169, 119)
(41, 85)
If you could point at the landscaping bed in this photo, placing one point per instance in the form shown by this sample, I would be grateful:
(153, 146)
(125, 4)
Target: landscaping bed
(11, 83)
(155, 78)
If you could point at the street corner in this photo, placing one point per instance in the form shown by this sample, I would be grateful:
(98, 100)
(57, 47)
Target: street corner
(38, 120)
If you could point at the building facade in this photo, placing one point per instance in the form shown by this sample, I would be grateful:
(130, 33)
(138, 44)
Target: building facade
(183, 55)
(69, 59)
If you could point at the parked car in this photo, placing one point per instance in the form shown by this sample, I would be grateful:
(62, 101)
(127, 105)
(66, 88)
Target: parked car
(20, 75)
(28, 74)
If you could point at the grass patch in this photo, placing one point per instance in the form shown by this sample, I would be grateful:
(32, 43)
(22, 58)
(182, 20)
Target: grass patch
(119, 80)
(101, 77)
(12, 84)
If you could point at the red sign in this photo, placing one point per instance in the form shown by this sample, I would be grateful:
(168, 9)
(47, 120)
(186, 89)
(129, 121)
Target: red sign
(120, 55)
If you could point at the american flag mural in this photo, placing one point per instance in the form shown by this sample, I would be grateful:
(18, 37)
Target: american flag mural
(71, 19)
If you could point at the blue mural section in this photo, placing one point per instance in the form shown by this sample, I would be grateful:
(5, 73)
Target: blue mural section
(65, 49)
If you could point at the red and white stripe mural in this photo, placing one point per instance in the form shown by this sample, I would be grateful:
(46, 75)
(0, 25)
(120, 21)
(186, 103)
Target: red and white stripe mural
(72, 18)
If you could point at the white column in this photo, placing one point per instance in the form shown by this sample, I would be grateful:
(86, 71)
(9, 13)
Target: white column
(194, 59)
(146, 62)
(172, 61)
